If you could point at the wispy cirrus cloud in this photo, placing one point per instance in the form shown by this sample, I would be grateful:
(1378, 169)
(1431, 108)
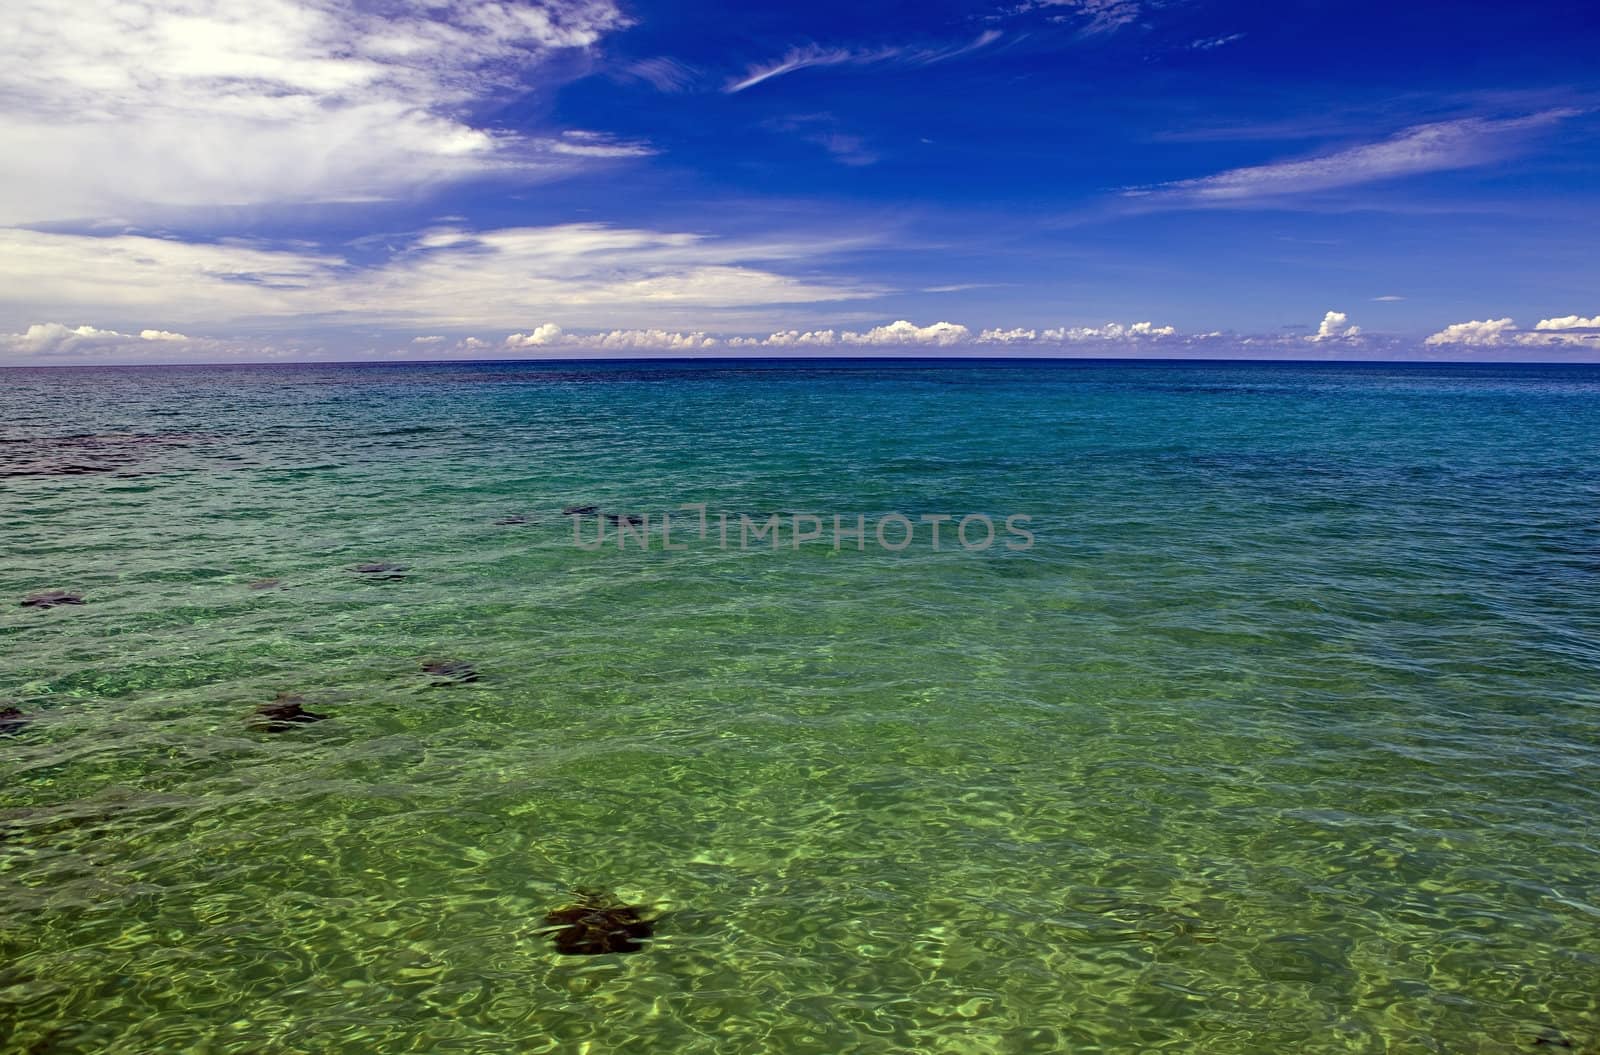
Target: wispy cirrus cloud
(585, 274)
(1094, 16)
(580, 143)
(662, 73)
(804, 58)
(1212, 43)
(113, 106)
(811, 56)
(822, 129)
(1434, 147)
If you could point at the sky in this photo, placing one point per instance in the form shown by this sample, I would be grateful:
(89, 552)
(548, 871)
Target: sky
(287, 180)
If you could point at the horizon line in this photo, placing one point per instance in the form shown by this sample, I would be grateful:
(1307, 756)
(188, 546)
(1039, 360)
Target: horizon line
(812, 359)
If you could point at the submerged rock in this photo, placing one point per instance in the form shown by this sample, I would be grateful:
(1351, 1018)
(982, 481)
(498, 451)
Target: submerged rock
(514, 519)
(599, 923)
(90, 453)
(13, 720)
(50, 599)
(625, 518)
(1552, 1038)
(383, 570)
(266, 584)
(283, 714)
(580, 511)
(450, 671)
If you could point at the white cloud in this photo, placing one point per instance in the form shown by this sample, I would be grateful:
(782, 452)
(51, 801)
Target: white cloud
(54, 338)
(1570, 322)
(942, 334)
(1335, 326)
(584, 274)
(1487, 333)
(115, 105)
(896, 334)
(805, 58)
(1572, 331)
(901, 332)
(1114, 332)
(1567, 330)
(1210, 43)
(1111, 331)
(597, 145)
(1424, 148)
(812, 55)
(1013, 336)
(646, 340)
(55, 342)
(548, 333)
(664, 74)
(1099, 16)
(1572, 339)
(790, 339)
(1388, 300)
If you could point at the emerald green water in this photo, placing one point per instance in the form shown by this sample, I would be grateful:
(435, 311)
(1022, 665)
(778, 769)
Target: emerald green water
(1281, 738)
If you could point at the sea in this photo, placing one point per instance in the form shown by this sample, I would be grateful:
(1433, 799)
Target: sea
(1236, 708)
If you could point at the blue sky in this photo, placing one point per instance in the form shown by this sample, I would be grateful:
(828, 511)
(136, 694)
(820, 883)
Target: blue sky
(204, 180)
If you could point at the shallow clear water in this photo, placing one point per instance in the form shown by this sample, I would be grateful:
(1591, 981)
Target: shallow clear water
(1281, 737)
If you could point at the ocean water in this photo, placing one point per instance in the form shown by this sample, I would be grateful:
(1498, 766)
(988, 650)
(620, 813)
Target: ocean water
(1281, 736)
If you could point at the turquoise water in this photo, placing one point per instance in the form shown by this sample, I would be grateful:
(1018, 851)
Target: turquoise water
(1281, 737)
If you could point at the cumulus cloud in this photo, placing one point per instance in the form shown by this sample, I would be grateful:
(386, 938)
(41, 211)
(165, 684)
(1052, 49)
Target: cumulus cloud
(1012, 336)
(940, 334)
(1485, 333)
(646, 341)
(549, 335)
(1570, 322)
(585, 274)
(1111, 331)
(112, 105)
(789, 339)
(895, 334)
(57, 343)
(1335, 326)
(1424, 148)
(54, 338)
(1566, 331)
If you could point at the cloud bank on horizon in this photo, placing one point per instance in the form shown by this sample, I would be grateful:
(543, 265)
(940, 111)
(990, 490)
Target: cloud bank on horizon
(196, 180)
